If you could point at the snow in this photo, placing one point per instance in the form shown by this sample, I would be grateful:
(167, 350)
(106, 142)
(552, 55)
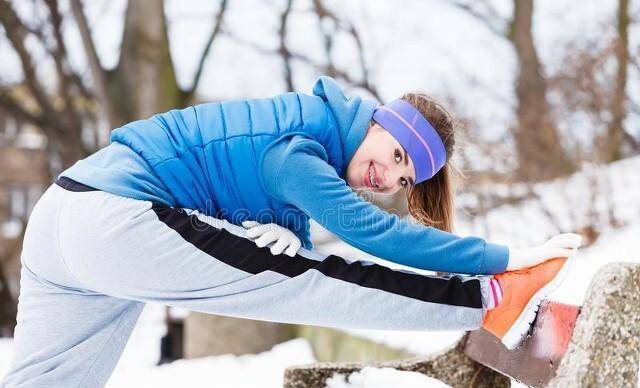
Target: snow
(137, 367)
(11, 229)
(371, 377)
(260, 370)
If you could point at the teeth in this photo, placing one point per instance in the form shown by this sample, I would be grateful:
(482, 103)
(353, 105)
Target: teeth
(372, 177)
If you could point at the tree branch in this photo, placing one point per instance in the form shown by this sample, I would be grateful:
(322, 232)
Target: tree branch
(214, 33)
(632, 141)
(363, 64)
(98, 73)
(283, 50)
(320, 68)
(62, 67)
(489, 16)
(322, 13)
(16, 33)
(635, 62)
(10, 104)
(327, 36)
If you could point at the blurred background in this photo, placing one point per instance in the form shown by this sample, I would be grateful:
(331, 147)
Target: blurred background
(547, 95)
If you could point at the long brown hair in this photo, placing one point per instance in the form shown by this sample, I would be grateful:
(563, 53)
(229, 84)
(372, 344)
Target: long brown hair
(431, 201)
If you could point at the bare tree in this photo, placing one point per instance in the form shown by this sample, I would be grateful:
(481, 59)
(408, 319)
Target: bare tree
(540, 153)
(61, 123)
(588, 86)
(142, 83)
(144, 80)
(328, 67)
(615, 129)
(329, 32)
(283, 49)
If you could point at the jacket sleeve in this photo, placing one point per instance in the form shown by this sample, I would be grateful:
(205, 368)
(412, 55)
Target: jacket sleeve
(295, 170)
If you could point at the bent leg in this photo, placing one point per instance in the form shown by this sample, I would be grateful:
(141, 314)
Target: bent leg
(66, 335)
(149, 253)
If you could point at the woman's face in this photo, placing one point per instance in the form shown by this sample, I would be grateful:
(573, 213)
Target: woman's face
(380, 163)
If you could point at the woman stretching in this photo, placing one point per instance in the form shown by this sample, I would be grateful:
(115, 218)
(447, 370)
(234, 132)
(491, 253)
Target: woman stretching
(154, 217)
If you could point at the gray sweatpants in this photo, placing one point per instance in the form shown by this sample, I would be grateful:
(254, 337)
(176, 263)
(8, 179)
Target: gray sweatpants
(91, 260)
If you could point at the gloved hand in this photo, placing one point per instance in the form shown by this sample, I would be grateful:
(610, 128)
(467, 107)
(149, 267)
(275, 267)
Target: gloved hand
(264, 234)
(561, 245)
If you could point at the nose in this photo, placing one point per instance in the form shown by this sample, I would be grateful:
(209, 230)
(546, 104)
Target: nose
(392, 178)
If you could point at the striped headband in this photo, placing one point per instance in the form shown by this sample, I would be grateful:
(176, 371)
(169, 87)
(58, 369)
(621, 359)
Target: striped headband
(421, 141)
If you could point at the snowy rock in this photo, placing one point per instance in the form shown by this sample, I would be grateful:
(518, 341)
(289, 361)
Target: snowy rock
(451, 367)
(605, 347)
(371, 377)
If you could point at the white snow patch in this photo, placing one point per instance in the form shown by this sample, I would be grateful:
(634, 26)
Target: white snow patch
(370, 377)
(252, 370)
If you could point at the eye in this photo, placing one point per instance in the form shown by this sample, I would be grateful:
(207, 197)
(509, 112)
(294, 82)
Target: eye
(404, 182)
(398, 156)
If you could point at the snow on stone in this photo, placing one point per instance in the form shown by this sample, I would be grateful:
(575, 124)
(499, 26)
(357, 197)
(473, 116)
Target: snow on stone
(370, 377)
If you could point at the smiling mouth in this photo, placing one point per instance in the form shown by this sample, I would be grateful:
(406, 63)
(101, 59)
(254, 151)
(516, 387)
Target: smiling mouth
(372, 181)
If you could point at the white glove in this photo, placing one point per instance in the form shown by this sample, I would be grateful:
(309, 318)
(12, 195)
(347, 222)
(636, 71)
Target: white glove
(561, 245)
(264, 234)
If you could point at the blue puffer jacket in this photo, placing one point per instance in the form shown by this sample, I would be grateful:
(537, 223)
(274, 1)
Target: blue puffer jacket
(281, 160)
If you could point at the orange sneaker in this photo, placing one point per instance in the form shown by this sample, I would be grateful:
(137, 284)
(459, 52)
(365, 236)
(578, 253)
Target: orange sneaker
(523, 291)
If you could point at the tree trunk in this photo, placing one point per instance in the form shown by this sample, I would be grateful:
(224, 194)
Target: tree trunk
(615, 128)
(540, 154)
(143, 84)
(8, 307)
(145, 81)
(69, 148)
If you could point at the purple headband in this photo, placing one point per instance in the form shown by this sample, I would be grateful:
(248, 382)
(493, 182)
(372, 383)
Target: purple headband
(421, 141)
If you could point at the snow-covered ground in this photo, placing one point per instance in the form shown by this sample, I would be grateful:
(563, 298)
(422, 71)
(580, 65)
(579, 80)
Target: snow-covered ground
(260, 370)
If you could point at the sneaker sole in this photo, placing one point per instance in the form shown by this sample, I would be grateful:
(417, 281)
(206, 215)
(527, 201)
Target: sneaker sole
(520, 328)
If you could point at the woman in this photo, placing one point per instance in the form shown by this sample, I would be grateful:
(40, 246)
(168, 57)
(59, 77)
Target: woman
(117, 231)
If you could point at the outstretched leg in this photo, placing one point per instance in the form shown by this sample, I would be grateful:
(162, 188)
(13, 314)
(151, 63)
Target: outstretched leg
(143, 252)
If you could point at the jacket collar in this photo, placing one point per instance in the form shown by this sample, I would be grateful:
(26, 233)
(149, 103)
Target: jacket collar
(351, 114)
